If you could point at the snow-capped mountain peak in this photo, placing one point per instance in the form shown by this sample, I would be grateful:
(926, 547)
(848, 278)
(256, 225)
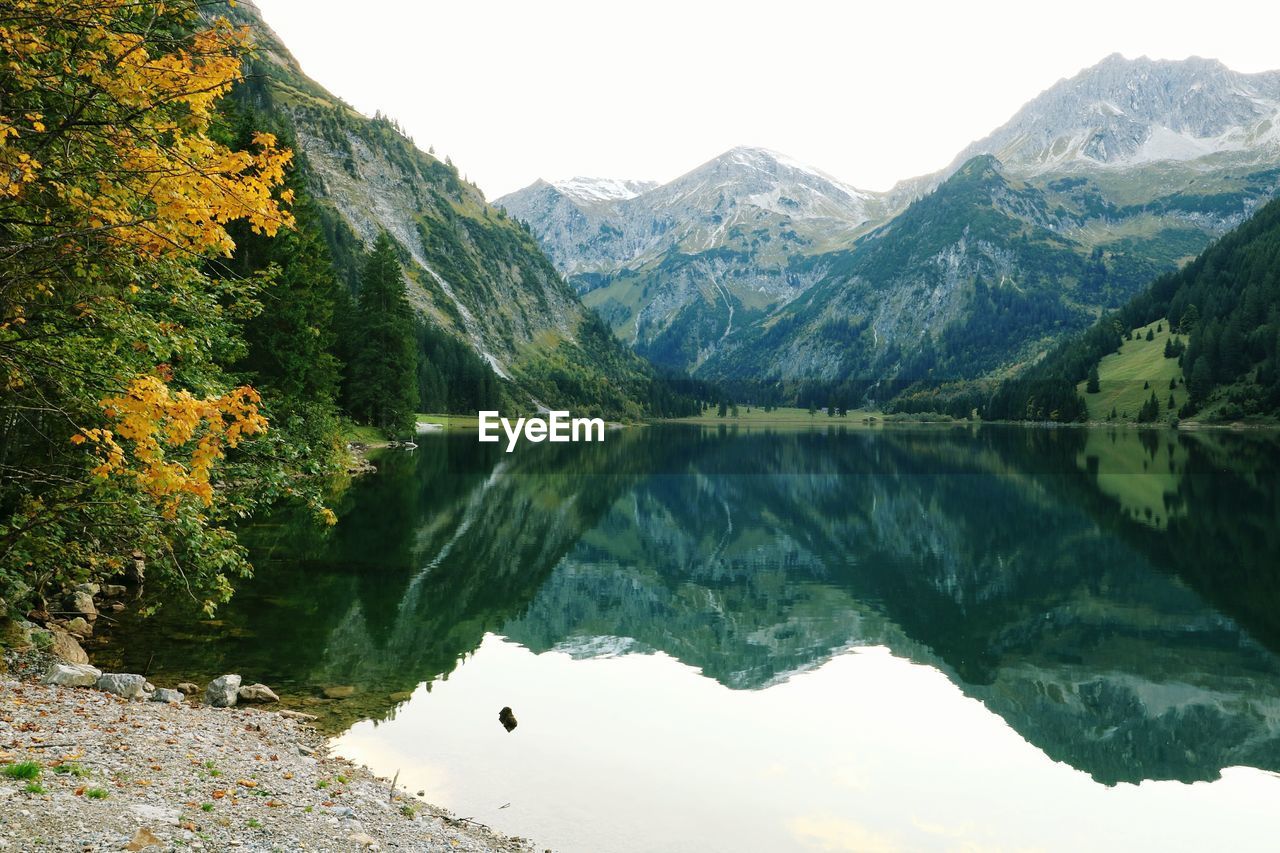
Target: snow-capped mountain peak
(592, 190)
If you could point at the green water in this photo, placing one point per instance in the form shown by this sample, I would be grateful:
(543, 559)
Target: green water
(901, 639)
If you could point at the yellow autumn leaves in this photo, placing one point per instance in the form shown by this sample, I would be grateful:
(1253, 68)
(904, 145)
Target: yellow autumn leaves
(158, 183)
(154, 419)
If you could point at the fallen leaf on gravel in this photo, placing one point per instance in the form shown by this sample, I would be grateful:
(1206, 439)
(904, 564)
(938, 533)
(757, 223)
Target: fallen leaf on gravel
(217, 795)
(247, 783)
(156, 767)
(288, 775)
(275, 804)
(143, 838)
(80, 791)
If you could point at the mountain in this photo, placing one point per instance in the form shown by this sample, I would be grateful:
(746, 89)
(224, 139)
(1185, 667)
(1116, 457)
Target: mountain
(1125, 113)
(1096, 186)
(675, 268)
(471, 269)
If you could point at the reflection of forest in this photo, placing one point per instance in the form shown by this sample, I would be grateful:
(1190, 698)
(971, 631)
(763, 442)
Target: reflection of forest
(1112, 595)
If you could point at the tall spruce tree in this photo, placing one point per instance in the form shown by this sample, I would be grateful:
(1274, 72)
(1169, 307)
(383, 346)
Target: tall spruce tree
(382, 379)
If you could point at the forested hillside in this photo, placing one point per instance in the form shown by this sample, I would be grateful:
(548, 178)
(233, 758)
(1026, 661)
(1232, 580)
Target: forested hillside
(1225, 309)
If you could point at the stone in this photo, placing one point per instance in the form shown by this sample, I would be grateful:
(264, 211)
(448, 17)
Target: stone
(258, 693)
(82, 602)
(339, 691)
(223, 691)
(164, 694)
(189, 687)
(143, 839)
(72, 675)
(79, 627)
(507, 718)
(115, 606)
(126, 685)
(64, 646)
(89, 589)
(114, 590)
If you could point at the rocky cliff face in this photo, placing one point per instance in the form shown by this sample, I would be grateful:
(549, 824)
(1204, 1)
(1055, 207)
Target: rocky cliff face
(1125, 113)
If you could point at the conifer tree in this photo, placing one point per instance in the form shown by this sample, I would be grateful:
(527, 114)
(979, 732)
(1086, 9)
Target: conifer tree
(382, 381)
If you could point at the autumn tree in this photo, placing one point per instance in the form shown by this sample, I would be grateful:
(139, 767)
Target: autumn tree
(120, 427)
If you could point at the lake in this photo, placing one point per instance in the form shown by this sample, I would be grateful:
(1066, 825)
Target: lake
(952, 637)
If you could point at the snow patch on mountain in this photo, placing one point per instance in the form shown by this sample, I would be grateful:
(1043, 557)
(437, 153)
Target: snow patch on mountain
(602, 189)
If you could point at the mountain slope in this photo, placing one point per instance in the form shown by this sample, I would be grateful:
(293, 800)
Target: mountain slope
(1225, 303)
(471, 269)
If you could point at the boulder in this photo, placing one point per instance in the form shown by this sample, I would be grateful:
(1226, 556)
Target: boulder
(114, 590)
(64, 646)
(258, 693)
(223, 691)
(189, 688)
(127, 685)
(164, 694)
(89, 589)
(82, 602)
(79, 627)
(72, 675)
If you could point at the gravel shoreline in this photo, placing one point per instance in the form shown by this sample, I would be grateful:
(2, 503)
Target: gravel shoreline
(112, 774)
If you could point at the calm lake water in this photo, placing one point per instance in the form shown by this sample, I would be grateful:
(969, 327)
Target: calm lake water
(908, 639)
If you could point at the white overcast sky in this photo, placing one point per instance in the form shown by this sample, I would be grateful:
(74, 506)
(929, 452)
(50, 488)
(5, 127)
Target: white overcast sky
(514, 90)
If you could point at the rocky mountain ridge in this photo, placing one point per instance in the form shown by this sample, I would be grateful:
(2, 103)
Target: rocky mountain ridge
(1110, 177)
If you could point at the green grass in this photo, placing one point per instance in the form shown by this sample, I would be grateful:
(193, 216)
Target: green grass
(71, 769)
(449, 422)
(34, 788)
(362, 434)
(96, 794)
(22, 770)
(1122, 375)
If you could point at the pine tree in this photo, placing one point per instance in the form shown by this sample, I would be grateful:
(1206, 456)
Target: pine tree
(382, 382)
(1092, 386)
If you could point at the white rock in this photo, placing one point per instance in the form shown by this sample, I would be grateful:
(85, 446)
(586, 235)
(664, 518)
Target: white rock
(72, 675)
(128, 685)
(223, 691)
